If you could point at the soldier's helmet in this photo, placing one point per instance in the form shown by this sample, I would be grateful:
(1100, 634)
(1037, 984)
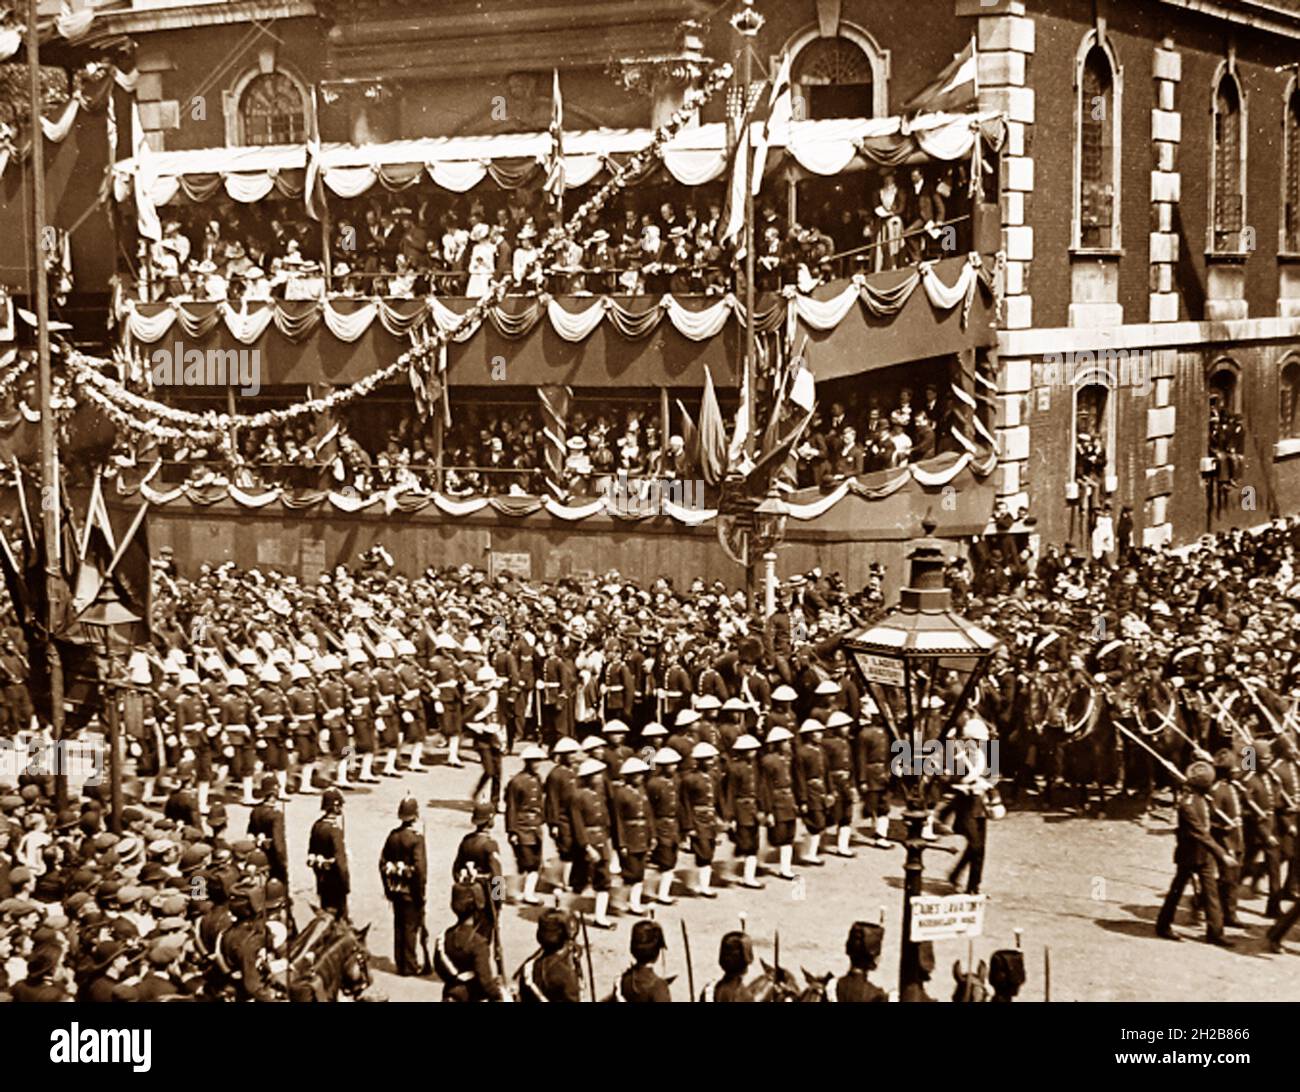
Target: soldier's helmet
(484, 815)
(1007, 971)
(553, 930)
(1200, 776)
(647, 940)
(275, 895)
(408, 809)
(864, 943)
(465, 898)
(331, 800)
(735, 954)
(269, 786)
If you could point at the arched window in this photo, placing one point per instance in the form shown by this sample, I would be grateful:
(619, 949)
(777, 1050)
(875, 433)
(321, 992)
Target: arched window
(1290, 242)
(1097, 157)
(1227, 182)
(272, 111)
(1288, 401)
(841, 75)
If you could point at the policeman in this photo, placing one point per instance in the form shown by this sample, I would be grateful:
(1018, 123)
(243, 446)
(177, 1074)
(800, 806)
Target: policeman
(776, 804)
(404, 873)
(524, 820)
(551, 974)
(735, 954)
(699, 804)
(327, 855)
(863, 949)
(266, 828)
(589, 814)
(478, 861)
(740, 805)
(463, 954)
(1196, 853)
(632, 827)
(664, 799)
(640, 982)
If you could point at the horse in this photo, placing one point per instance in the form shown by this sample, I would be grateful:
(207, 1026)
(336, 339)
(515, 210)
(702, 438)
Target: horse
(971, 987)
(327, 958)
(1148, 708)
(774, 984)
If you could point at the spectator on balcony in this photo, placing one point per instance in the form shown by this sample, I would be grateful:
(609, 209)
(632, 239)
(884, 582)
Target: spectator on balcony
(890, 209)
(414, 238)
(845, 460)
(899, 441)
(256, 287)
(482, 261)
(927, 212)
(525, 262)
(598, 258)
(925, 442)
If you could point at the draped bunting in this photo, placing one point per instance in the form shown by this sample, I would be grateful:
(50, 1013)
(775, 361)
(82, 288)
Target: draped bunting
(932, 474)
(348, 319)
(693, 157)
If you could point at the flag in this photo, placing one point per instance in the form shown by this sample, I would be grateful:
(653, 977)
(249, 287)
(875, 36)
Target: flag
(713, 436)
(740, 433)
(690, 436)
(554, 186)
(146, 212)
(803, 386)
(954, 90)
(314, 187)
(776, 118)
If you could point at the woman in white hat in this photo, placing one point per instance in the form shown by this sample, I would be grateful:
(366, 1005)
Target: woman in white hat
(482, 261)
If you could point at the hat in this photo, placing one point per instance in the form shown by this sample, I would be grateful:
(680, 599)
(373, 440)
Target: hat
(566, 746)
(590, 766)
(975, 728)
(633, 765)
(591, 743)
(827, 686)
(864, 942)
(408, 809)
(811, 725)
(484, 813)
(707, 702)
(331, 798)
(616, 727)
(778, 734)
(647, 940)
(838, 719)
(666, 756)
(735, 953)
(552, 930)
(704, 749)
(685, 717)
(746, 743)
(1200, 775)
(781, 693)
(653, 730)
(1007, 970)
(735, 705)
(532, 753)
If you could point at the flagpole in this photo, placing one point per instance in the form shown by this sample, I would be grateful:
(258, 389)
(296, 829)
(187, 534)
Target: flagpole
(49, 456)
(749, 260)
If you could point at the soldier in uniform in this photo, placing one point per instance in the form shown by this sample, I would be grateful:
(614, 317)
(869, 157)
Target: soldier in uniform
(505, 661)
(551, 693)
(776, 803)
(559, 787)
(682, 739)
(633, 837)
(589, 814)
(810, 790)
(551, 974)
(482, 716)
(640, 982)
(871, 760)
(191, 724)
(182, 805)
(618, 686)
(410, 703)
(740, 805)
(242, 949)
(304, 707)
(266, 828)
(735, 954)
(838, 750)
(524, 797)
(404, 872)
(863, 949)
(269, 709)
(699, 805)
(1196, 853)
(616, 750)
(707, 728)
(1261, 843)
(327, 855)
(478, 861)
(665, 808)
(387, 690)
(361, 712)
(1226, 829)
(675, 690)
(463, 954)
(1285, 772)
(731, 725)
(332, 694)
(446, 676)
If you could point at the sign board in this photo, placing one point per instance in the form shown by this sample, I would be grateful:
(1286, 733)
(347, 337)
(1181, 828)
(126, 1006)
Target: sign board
(312, 558)
(938, 917)
(881, 669)
(519, 564)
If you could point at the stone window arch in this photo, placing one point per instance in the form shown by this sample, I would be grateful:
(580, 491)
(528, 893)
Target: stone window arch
(1227, 161)
(845, 74)
(1289, 229)
(1098, 84)
(1288, 398)
(268, 107)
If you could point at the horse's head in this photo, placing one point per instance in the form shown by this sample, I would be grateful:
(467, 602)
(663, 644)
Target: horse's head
(355, 972)
(818, 988)
(970, 987)
(775, 984)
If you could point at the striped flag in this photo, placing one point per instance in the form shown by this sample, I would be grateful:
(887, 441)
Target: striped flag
(314, 187)
(776, 118)
(554, 186)
(733, 216)
(954, 90)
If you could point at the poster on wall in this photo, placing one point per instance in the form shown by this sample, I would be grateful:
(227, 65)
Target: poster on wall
(520, 564)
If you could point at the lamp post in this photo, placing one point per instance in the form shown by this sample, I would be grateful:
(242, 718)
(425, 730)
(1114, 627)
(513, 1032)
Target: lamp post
(920, 663)
(769, 526)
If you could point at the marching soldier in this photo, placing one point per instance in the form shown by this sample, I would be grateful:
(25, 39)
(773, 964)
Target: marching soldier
(640, 982)
(560, 784)
(551, 974)
(269, 709)
(505, 662)
(1196, 853)
(616, 750)
(776, 803)
(699, 804)
(404, 873)
(740, 805)
(463, 954)
(551, 693)
(838, 750)
(524, 803)
(1285, 772)
(682, 739)
(361, 712)
(327, 855)
(266, 828)
(1226, 828)
(731, 725)
(446, 677)
(863, 949)
(810, 791)
(482, 716)
(664, 799)
(735, 954)
(332, 695)
(872, 764)
(387, 691)
(304, 709)
(191, 724)
(632, 834)
(410, 703)
(589, 814)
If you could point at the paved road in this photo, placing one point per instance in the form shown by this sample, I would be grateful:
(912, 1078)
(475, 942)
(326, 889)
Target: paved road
(1086, 888)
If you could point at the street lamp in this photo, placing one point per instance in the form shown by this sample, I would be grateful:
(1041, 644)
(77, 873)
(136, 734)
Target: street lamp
(920, 663)
(769, 526)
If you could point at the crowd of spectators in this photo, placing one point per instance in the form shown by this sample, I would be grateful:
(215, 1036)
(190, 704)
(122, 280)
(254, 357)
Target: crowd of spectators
(654, 241)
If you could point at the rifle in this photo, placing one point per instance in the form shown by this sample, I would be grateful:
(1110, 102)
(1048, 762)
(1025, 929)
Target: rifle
(426, 968)
(586, 943)
(690, 970)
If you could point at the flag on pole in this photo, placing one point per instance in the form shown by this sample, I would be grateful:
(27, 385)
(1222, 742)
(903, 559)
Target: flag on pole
(314, 187)
(954, 90)
(554, 186)
(740, 434)
(733, 215)
(713, 435)
(776, 118)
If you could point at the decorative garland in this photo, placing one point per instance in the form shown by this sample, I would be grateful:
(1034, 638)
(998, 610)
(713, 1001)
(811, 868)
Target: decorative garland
(10, 378)
(423, 354)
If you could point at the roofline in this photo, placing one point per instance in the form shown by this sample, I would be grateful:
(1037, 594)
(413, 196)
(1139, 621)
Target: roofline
(184, 16)
(1258, 14)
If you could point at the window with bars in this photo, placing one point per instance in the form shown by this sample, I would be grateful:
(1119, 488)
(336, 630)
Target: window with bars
(1288, 401)
(1228, 198)
(1291, 179)
(1097, 152)
(271, 111)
